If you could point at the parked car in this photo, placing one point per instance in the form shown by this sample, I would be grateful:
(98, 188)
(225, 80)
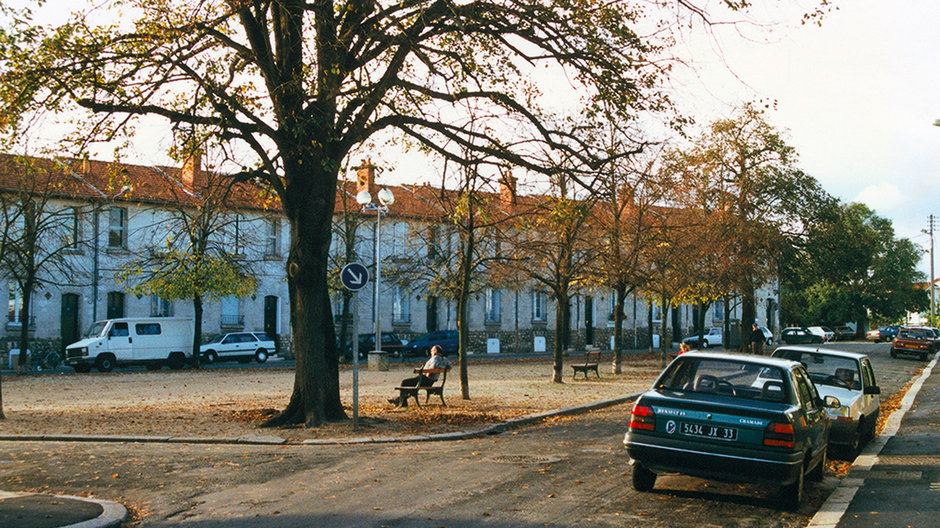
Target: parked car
(149, 341)
(768, 335)
(844, 333)
(885, 333)
(707, 416)
(795, 335)
(711, 338)
(240, 346)
(391, 343)
(916, 341)
(421, 346)
(848, 376)
(826, 333)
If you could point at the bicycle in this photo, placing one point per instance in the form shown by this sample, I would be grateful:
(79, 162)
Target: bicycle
(46, 360)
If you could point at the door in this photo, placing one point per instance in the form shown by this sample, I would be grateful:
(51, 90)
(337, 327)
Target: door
(431, 321)
(589, 321)
(271, 316)
(68, 320)
(120, 341)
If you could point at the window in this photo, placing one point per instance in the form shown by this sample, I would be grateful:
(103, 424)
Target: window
(611, 305)
(657, 312)
(539, 306)
(15, 309)
(272, 236)
(399, 237)
(117, 230)
(147, 328)
(718, 313)
(72, 228)
(160, 307)
(493, 308)
(115, 305)
(401, 305)
(231, 312)
(119, 330)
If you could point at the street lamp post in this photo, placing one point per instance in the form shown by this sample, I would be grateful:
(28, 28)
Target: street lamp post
(386, 198)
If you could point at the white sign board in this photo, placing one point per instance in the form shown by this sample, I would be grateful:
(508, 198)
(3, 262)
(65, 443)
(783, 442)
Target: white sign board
(492, 345)
(538, 344)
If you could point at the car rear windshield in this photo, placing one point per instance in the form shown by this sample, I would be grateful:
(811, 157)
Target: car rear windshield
(825, 369)
(735, 379)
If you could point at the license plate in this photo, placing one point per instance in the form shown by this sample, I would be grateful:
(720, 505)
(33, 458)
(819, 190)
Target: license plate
(709, 431)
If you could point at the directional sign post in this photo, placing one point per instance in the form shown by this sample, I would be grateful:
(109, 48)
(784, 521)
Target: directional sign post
(355, 276)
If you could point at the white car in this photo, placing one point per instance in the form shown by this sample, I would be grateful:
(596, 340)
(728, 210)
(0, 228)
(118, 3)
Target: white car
(711, 338)
(849, 377)
(823, 332)
(242, 346)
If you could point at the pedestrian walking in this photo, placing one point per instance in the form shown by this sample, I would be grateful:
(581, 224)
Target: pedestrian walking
(757, 340)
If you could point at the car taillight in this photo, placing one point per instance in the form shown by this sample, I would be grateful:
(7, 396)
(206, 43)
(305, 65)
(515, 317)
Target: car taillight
(642, 417)
(779, 434)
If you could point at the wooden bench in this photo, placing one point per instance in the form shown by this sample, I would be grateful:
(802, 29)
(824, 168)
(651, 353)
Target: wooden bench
(438, 389)
(592, 359)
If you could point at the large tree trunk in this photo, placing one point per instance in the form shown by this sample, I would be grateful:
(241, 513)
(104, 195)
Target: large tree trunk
(561, 322)
(621, 294)
(22, 365)
(308, 205)
(463, 342)
(197, 331)
(748, 313)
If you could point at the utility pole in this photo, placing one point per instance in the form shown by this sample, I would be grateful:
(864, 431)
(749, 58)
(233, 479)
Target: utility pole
(930, 283)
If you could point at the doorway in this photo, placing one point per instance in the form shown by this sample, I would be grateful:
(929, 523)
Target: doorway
(69, 329)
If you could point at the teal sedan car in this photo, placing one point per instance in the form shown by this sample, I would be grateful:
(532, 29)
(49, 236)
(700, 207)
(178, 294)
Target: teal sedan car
(731, 417)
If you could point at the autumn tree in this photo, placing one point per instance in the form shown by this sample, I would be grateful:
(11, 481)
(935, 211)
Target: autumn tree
(191, 253)
(743, 175)
(625, 224)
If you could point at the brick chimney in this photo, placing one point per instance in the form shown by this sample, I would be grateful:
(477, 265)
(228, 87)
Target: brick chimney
(507, 189)
(365, 178)
(193, 175)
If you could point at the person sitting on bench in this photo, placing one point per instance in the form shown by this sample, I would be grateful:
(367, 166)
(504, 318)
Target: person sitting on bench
(436, 361)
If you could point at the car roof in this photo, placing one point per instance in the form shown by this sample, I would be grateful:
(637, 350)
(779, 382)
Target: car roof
(824, 351)
(750, 358)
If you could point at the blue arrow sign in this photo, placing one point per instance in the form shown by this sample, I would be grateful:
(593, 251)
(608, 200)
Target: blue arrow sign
(355, 276)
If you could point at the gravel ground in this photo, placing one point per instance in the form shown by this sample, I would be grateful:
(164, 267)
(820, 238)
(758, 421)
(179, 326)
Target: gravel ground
(231, 403)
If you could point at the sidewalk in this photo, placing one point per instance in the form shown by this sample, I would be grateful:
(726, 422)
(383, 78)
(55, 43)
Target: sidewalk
(895, 481)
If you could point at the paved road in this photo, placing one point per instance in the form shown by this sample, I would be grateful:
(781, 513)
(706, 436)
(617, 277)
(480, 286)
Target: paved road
(570, 472)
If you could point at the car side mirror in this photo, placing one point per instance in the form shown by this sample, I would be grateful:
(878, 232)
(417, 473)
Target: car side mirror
(873, 389)
(831, 402)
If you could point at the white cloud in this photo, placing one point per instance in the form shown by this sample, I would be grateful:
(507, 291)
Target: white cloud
(880, 197)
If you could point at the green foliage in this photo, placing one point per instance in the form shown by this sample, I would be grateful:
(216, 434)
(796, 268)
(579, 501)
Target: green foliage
(177, 274)
(850, 266)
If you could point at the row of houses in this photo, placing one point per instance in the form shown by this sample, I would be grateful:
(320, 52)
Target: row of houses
(111, 215)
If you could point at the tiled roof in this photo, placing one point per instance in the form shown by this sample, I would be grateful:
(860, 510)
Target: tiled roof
(70, 178)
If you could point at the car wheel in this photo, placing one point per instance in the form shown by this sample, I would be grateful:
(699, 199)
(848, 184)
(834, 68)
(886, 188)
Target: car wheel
(770, 341)
(211, 356)
(704, 345)
(643, 479)
(104, 363)
(792, 494)
(816, 475)
(261, 355)
(176, 361)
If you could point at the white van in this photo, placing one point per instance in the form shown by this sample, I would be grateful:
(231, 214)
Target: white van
(149, 341)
